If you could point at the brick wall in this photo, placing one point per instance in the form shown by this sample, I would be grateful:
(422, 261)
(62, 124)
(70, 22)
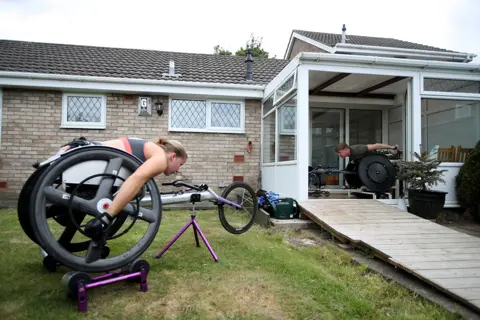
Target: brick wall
(302, 46)
(287, 147)
(31, 131)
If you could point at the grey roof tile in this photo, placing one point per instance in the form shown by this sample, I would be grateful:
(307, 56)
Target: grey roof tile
(331, 39)
(51, 58)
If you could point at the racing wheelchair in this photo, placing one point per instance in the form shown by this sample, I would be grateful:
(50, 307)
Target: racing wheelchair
(71, 187)
(374, 173)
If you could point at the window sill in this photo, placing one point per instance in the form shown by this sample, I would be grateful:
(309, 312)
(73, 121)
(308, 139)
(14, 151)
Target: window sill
(77, 126)
(206, 131)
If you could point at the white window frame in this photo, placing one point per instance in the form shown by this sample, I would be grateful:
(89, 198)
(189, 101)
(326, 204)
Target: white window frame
(84, 125)
(208, 127)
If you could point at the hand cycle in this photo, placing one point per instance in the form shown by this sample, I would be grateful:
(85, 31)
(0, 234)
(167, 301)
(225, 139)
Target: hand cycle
(238, 201)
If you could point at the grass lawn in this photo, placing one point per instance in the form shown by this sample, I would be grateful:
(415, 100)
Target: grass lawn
(259, 276)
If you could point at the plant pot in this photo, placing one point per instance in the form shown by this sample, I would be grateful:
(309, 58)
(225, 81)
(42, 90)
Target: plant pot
(426, 204)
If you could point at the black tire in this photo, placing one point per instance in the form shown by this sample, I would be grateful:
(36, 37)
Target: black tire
(376, 172)
(25, 202)
(26, 208)
(39, 221)
(221, 210)
(313, 181)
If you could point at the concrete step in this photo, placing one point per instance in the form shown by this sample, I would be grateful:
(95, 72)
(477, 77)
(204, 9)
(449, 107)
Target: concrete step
(263, 218)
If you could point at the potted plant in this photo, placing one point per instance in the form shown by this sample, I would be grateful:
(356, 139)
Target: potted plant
(421, 175)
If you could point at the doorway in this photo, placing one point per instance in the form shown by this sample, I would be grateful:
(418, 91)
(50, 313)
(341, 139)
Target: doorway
(326, 131)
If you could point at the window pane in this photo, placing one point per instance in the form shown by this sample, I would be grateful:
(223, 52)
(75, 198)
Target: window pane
(226, 115)
(449, 85)
(284, 88)
(289, 118)
(268, 143)
(84, 109)
(189, 114)
(448, 123)
(287, 131)
(365, 126)
(268, 105)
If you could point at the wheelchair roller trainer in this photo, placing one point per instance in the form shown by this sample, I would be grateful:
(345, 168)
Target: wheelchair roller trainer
(77, 283)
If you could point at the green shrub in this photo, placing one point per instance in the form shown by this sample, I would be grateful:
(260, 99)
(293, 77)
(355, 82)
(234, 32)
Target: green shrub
(468, 183)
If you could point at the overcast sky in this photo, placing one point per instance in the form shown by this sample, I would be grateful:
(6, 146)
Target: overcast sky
(199, 25)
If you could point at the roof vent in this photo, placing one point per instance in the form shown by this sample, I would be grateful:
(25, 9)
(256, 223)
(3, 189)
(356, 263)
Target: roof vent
(171, 70)
(249, 62)
(343, 33)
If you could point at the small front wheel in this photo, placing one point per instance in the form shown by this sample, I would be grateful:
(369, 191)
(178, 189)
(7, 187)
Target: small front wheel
(239, 208)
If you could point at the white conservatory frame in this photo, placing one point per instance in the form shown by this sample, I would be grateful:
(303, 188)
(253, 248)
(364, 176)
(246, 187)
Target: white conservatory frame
(277, 176)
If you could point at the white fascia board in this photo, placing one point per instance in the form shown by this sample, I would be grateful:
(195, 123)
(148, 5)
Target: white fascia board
(307, 40)
(125, 85)
(370, 62)
(314, 43)
(412, 55)
(289, 46)
(347, 46)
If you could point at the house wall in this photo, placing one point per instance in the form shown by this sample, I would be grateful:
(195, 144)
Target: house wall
(302, 46)
(31, 132)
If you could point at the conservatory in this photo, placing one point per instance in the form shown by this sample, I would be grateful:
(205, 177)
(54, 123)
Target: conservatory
(321, 99)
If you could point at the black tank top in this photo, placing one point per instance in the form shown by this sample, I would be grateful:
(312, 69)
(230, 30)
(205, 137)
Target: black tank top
(135, 147)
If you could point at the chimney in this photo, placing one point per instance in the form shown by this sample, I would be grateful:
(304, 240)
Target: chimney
(171, 70)
(343, 33)
(249, 62)
(171, 67)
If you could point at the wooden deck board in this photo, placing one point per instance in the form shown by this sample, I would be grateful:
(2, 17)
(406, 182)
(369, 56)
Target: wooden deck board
(450, 273)
(445, 258)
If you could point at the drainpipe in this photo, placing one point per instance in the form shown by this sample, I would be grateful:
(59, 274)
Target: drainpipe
(249, 62)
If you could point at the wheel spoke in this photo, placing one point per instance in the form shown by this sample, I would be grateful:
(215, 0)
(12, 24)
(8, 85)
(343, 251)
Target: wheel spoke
(105, 187)
(94, 251)
(143, 214)
(70, 230)
(61, 198)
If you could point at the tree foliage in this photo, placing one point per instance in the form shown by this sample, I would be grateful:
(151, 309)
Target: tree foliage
(221, 51)
(467, 182)
(253, 44)
(421, 174)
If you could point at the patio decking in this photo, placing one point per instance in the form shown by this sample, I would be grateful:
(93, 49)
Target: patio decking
(445, 258)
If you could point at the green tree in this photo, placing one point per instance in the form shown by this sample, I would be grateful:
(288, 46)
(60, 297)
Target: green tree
(254, 44)
(220, 51)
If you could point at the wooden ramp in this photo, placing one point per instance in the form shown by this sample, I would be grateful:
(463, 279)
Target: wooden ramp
(445, 258)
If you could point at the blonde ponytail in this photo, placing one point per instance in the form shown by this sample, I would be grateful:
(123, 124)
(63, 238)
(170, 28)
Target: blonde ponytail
(172, 146)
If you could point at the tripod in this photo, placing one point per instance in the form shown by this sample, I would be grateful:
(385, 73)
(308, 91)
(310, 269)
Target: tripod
(196, 230)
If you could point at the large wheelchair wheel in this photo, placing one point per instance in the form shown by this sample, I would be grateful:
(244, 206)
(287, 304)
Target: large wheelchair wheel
(24, 202)
(99, 170)
(238, 220)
